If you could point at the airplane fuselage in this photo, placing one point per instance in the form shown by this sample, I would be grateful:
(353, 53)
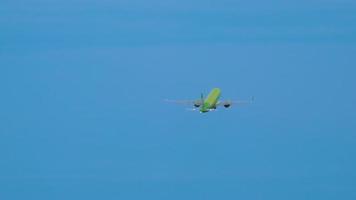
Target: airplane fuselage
(209, 103)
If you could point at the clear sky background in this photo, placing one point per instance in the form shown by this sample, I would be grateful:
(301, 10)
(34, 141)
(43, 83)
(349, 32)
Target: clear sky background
(82, 84)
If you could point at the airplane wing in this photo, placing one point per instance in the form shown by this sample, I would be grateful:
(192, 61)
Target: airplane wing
(228, 103)
(180, 101)
(184, 102)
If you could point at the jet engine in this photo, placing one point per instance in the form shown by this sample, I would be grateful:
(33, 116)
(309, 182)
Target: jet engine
(197, 104)
(227, 104)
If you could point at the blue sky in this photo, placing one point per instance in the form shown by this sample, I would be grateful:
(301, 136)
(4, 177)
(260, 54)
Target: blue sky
(82, 84)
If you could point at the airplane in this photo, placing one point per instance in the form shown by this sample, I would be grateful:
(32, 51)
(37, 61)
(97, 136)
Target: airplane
(211, 102)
